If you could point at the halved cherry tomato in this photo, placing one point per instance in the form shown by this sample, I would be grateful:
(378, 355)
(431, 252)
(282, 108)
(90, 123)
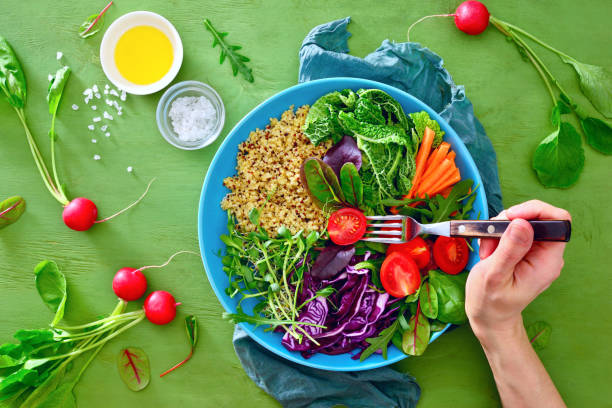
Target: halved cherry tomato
(417, 249)
(451, 254)
(346, 226)
(399, 275)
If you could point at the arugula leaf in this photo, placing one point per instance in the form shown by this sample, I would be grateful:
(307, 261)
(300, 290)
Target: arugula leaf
(381, 342)
(133, 365)
(559, 159)
(598, 134)
(10, 210)
(237, 61)
(442, 208)
(416, 339)
(539, 334)
(595, 83)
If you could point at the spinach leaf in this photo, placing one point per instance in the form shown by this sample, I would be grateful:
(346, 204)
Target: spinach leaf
(10, 210)
(51, 286)
(559, 158)
(416, 337)
(237, 61)
(321, 183)
(539, 334)
(598, 134)
(422, 120)
(352, 187)
(428, 300)
(450, 290)
(133, 365)
(595, 83)
(12, 78)
(56, 88)
(381, 342)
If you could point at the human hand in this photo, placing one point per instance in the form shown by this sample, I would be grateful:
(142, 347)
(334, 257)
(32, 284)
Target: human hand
(512, 272)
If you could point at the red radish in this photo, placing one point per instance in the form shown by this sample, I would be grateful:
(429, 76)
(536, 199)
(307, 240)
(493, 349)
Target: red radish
(160, 307)
(471, 17)
(129, 284)
(80, 214)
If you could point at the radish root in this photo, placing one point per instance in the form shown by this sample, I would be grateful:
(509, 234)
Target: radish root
(168, 261)
(425, 18)
(129, 206)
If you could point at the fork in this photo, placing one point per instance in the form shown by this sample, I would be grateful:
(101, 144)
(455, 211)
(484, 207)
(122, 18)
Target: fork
(407, 228)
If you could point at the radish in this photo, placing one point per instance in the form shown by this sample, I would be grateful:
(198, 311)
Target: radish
(130, 284)
(160, 307)
(471, 17)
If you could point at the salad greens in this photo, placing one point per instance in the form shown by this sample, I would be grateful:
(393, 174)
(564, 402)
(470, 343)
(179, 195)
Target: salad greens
(539, 334)
(237, 61)
(10, 210)
(191, 325)
(93, 24)
(133, 366)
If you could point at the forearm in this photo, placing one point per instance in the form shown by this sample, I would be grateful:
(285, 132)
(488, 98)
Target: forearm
(522, 380)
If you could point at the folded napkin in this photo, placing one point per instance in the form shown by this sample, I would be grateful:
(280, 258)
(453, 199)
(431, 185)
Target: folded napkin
(418, 71)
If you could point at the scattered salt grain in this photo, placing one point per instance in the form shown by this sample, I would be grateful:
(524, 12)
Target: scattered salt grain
(103, 128)
(94, 141)
(97, 157)
(95, 88)
(107, 134)
(106, 92)
(193, 118)
(75, 106)
(119, 113)
(106, 86)
(123, 95)
(94, 107)
(114, 93)
(87, 92)
(109, 102)
(97, 119)
(130, 169)
(87, 99)
(108, 116)
(91, 127)
(50, 77)
(98, 96)
(59, 55)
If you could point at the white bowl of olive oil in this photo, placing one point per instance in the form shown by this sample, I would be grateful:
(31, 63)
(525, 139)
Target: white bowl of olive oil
(141, 52)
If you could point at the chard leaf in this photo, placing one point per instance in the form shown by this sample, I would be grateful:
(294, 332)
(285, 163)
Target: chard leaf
(191, 325)
(94, 30)
(559, 158)
(51, 286)
(428, 300)
(598, 134)
(416, 338)
(539, 334)
(12, 78)
(321, 183)
(56, 88)
(596, 85)
(10, 210)
(351, 184)
(133, 365)
(381, 342)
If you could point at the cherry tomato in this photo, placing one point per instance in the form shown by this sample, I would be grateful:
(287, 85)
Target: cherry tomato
(451, 254)
(399, 275)
(417, 249)
(346, 226)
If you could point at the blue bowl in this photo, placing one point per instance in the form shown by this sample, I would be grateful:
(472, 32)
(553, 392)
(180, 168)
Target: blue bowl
(212, 221)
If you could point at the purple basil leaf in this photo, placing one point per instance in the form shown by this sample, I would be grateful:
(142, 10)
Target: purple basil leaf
(343, 152)
(332, 260)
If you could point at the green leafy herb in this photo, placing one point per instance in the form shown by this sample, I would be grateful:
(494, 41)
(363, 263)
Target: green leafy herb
(416, 337)
(428, 299)
(10, 210)
(559, 159)
(241, 317)
(381, 342)
(598, 134)
(450, 291)
(191, 325)
(51, 286)
(133, 366)
(595, 83)
(237, 61)
(93, 24)
(539, 334)
(421, 121)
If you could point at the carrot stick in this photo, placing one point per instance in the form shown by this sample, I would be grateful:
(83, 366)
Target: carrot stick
(421, 159)
(435, 159)
(442, 180)
(448, 183)
(426, 184)
(451, 156)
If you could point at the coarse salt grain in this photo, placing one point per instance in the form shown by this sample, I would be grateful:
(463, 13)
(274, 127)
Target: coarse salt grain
(98, 96)
(95, 88)
(87, 92)
(97, 157)
(91, 127)
(107, 134)
(97, 119)
(108, 116)
(109, 102)
(75, 106)
(193, 118)
(130, 169)
(59, 55)
(50, 77)
(103, 128)
(94, 141)
(94, 107)
(123, 95)
(114, 93)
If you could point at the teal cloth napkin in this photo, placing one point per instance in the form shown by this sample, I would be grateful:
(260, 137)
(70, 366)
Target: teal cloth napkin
(418, 71)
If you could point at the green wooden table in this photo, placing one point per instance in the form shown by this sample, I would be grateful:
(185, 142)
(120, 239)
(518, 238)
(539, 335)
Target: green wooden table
(508, 98)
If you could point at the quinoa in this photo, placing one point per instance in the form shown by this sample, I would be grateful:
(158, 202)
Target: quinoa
(269, 163)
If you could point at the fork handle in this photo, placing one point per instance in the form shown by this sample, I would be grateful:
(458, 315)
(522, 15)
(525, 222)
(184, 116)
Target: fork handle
(543, 230)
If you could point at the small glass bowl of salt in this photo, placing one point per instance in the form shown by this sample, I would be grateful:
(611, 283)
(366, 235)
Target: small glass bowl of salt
(190, 115)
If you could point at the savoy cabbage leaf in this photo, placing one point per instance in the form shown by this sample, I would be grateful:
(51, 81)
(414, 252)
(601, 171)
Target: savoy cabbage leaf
(422, 120)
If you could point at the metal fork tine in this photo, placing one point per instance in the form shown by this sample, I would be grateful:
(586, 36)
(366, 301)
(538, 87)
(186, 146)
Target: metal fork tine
(396, 233)
(385, 217)
(383, 240)
(394, 225)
